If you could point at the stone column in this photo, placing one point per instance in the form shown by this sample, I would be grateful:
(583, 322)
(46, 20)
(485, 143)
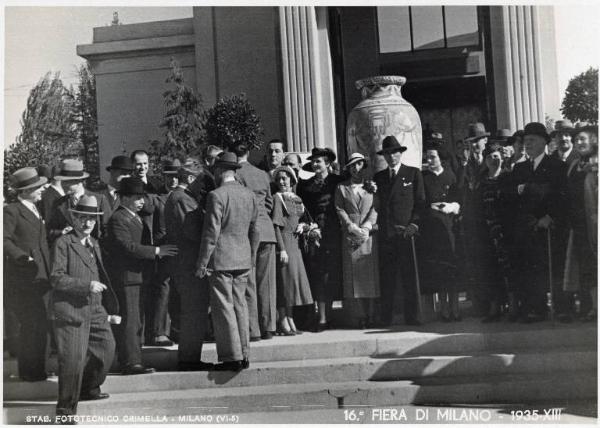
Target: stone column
(307, 78)
(516, 55)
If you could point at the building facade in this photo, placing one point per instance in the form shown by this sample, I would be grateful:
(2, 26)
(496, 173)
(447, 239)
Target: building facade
(298, 66)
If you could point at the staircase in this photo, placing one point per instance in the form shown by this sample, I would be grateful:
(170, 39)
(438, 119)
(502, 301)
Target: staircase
(436, 364)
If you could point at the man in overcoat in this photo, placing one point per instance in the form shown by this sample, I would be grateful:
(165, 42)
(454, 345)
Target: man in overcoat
(400, 200)
(27, 272)
(82, 299)
(227, 254)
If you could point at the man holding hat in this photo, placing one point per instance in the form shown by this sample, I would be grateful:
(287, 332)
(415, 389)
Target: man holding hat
(401, 200)
(27, 271)
(538, 189)
(563, 133)
(72, 178)
(184, 216)
(227, 253)
(127, 257)
(82, 299)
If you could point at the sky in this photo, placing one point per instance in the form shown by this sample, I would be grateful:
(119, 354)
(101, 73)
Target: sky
(42, 39)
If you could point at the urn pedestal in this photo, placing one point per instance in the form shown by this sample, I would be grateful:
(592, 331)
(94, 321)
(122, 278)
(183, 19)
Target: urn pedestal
(384, 112)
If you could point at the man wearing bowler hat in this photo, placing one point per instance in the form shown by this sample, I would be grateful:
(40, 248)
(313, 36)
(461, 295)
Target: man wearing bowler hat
(27, 272)
(538, 188)
(82, 299)
(227, 253)
(400, 199)
(72, 176)
(127, 257)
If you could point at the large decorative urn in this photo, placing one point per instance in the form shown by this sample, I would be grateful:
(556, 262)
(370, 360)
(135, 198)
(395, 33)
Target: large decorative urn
(384, 112)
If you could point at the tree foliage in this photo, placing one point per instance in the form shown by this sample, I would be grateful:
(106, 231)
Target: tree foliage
(580, 103)
(233, 120)
(182, 122)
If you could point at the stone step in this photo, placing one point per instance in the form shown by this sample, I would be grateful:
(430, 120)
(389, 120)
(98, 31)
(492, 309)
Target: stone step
(334, 370)
(430, 339)
(156, 406)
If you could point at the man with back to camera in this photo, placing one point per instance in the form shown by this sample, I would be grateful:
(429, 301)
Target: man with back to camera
(82, 299)
(127, 257)
(227, 257)
(400, 201)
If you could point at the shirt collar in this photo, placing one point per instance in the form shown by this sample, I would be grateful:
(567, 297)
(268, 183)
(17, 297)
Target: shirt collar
(396, 168)
(438, 172)
(537, 160)
(566, 154)
(30, 206)
(132, 213)
(59, 189)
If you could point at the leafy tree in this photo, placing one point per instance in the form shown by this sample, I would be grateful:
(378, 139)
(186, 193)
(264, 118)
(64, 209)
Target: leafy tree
(47, 130)
(182, 122)
(580, 103)
(233, 120)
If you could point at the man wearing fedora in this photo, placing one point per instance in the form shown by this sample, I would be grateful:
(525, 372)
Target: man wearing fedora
(53, 192)
(119, 168)
(227, 253)
(261, 292)
(27, 271)
(563, 133)
(537, 187)
(72, 176)
(82, 299)
(400, 200)
(184, 216)
(127, 257)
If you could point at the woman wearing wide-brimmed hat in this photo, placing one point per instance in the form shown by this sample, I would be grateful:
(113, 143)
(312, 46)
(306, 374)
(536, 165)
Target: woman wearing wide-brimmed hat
(356, 211)
(323, 262)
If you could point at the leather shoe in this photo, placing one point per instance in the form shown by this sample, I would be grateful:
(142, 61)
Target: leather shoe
(90, 397)
(266, 335)
(415, 323)
(255, 339)
(160, 341)
(231, 366)
(136, 369)
(194, 366)
(245, 363)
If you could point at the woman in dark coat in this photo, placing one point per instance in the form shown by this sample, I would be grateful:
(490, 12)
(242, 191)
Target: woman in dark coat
(323, 262)
(437, 242)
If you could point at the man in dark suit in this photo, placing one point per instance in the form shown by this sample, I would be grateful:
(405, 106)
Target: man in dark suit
(400, 200)
(49, 196)
(82, 299)
(563, 133)
(27, 269)
(155, 291)
(538, 189)
(60, 220)
(227, 254)
(127, 257)
(184, 216)
(261, 292)
(119, 168)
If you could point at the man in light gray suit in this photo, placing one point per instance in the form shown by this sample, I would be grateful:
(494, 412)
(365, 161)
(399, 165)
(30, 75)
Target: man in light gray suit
(227, 254)
(261, 293)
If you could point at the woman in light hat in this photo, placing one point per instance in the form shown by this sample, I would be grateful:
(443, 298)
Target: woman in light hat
(293, 288)
(355, 209)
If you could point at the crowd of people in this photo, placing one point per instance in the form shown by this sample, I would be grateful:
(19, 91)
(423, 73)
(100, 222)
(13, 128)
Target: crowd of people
(219, 249)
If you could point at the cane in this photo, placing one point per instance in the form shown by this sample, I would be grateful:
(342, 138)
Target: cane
(549, 236)
(417, 282)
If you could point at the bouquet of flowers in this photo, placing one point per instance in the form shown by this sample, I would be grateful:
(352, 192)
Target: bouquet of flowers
(309, 234)
(370, 186)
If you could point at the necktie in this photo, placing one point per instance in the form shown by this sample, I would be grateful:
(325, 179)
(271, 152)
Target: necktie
(392, 173)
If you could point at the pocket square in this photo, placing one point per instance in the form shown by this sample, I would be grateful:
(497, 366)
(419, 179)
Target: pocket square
(406, 184)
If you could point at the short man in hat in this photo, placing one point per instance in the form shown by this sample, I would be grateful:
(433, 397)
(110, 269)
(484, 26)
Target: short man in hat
(477, 137)
(119, 168)
(401, 200)
(127, 257)
(184, 216)
(53, 192)
(227, 253)
(538, 186)
(563, 134)
(82, 300)
(261, 291)
(72, 176)
(27, 271)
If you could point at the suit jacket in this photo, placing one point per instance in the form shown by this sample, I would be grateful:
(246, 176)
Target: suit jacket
(49, 197)
(24, 237)
(60, 216)
(152, 213)
(399, 201)
(259, 182)
(184, 218)
(544, 192)
(229, 235)
(573, 156)
(73, 269)
(127, 253)
(113, 203)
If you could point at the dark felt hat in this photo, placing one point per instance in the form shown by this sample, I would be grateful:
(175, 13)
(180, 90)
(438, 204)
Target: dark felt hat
(44, 171)
(476, 131)
(435, 137)
(322, 152)
(171, 166)
(131, 186)
(390, 145)
(227, 160)
(27, 178)
(121, 162)
(536, 128)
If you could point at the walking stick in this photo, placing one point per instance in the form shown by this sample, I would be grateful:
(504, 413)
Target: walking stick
(550, 282)
(417, 282)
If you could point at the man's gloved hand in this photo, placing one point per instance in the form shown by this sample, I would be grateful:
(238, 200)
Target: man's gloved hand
(544, 223)
(411, 230)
